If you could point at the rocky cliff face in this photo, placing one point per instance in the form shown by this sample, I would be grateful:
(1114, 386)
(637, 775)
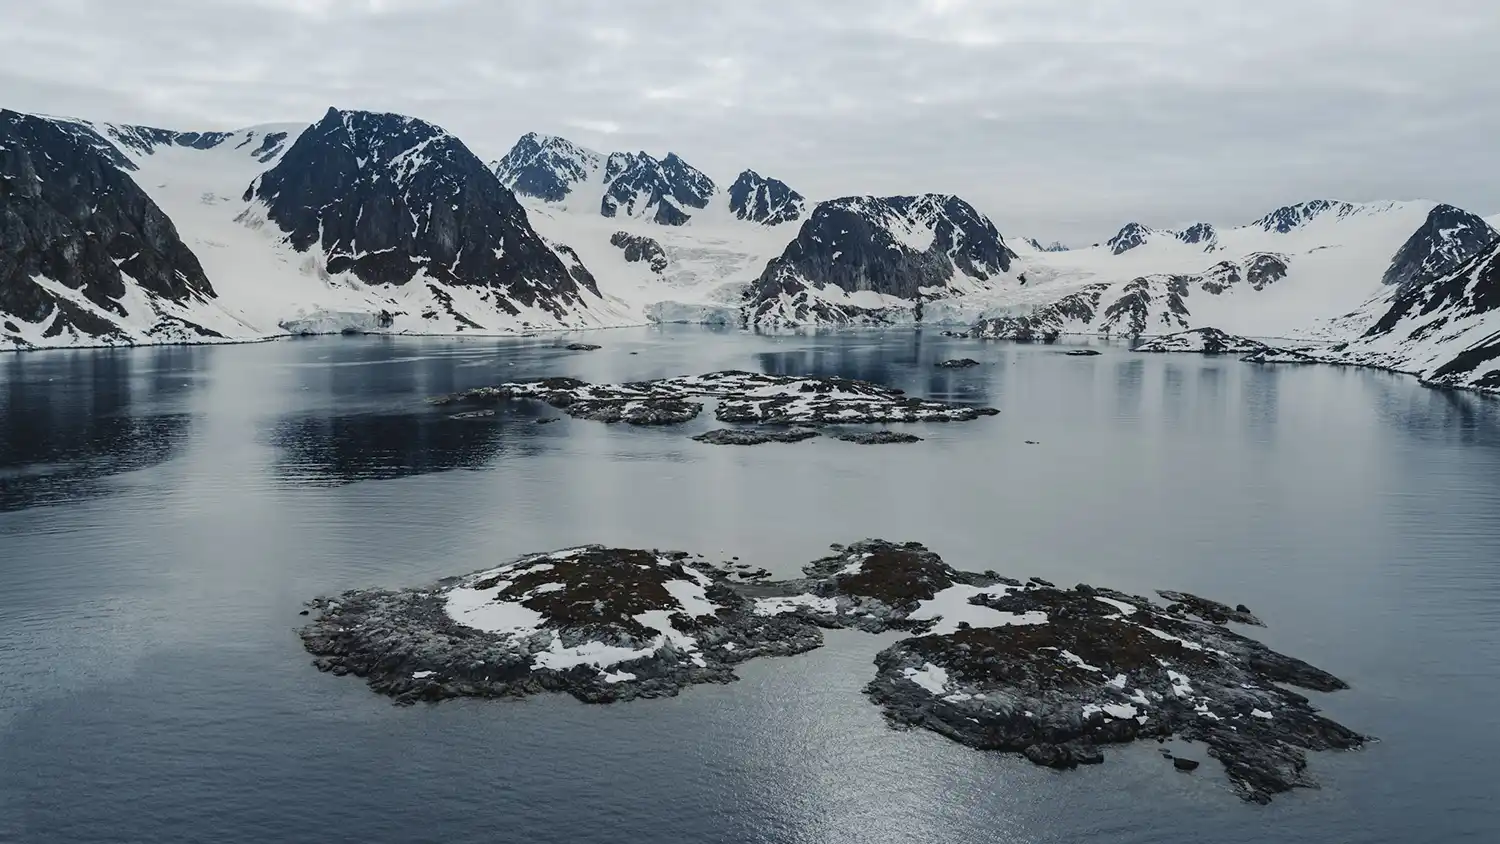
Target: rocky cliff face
(871, 258)
(82, 248)
(1131, 236)
(1450, 237)
(764, 200)
(394, 200)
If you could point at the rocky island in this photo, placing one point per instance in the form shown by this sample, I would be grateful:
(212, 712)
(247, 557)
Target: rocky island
(742, 398)
(992, 662)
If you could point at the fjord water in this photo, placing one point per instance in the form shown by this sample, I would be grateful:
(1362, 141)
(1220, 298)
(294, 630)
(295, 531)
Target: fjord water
(165, 512)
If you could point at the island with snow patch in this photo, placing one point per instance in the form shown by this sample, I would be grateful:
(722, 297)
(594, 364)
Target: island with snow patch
(742, 398)
(994, 663)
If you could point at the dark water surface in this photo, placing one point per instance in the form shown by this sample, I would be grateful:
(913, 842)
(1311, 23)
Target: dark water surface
(165, 512)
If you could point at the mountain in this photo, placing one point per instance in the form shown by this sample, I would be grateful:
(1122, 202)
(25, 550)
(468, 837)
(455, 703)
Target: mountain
(1302, 271)
(85, 255)
(394, 200)
(636, 185)
(763, 200)
(1036, 245)
(877, 259)
(1446, 331)
(547, 167)
(1450, 237)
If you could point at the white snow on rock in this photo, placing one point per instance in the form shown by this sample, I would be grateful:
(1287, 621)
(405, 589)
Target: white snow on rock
(1124, 608)
(933, 678)
(779, 606)
(951, 606)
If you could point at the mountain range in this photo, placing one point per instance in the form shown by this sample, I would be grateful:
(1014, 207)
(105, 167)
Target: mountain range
(370, 222)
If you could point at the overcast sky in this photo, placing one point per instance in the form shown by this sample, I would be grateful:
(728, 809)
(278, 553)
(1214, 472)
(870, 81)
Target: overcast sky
(1058, 119)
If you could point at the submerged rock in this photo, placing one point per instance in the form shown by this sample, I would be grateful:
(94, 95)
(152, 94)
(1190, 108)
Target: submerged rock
(583, 347)
(876, 437)
(994, 663)
(755, 436)
(1081, 353)
(958, 363)
(743, 397)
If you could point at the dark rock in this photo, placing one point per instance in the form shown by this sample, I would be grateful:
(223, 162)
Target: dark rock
(1264, 268)
(1290, 217)
(856, 244)
(641, 186)
(755, 436)
(744, 398)
(1270, 354)
(1203, 233)
(1447, 240)
(1210, 610)
(958, 363)
(386, 197)
(1048, 673)
(1128, 238)
(1208, 341)
(639, 248)
(1081, 353)
(1047, 322)
(1131, 314)
(546, 420)
(764, 200)
(69, 211)
(583, 347)
(1182, 764)
(876, 437)
(546, 167)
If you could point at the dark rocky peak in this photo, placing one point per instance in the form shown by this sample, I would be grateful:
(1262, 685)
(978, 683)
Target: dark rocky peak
(1054, 246)
(70, 212)
(898, 246)
(689, 184)
(1285, 219)
(1448, 238)
(764, 200)
(639, 186)
(1197, 233)
(547, 167)
(1128, 238)
(387, 197)
(1471, 288)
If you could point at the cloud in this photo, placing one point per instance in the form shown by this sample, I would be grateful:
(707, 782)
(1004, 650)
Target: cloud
(1058, 119)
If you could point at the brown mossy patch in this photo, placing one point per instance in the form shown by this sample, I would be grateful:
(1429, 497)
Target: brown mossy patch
(899, 577)
(601, 587)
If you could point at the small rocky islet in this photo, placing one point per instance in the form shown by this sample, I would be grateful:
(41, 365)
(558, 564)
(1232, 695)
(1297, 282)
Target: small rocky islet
(992, 662)
(781, 408)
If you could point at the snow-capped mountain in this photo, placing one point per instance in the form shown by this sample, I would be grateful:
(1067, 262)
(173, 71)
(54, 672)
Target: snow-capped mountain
(392, 200)
(1445, 331)
(667, 191)
(1290, 273)
(84, 251)
(1450, 237)
(878, 259)
(764, 200)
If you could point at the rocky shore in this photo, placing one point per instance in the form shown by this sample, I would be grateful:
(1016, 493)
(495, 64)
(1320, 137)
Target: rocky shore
(997, 664)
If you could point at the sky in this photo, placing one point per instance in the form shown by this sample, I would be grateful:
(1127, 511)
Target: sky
(1060, 120)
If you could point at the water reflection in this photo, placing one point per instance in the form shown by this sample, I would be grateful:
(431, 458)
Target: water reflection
(331, 451)
(70, 420)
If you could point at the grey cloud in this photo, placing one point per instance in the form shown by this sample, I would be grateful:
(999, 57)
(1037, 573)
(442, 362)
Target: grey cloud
(1058, 119)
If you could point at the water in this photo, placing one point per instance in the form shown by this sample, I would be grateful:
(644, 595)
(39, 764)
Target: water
(165, 512)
